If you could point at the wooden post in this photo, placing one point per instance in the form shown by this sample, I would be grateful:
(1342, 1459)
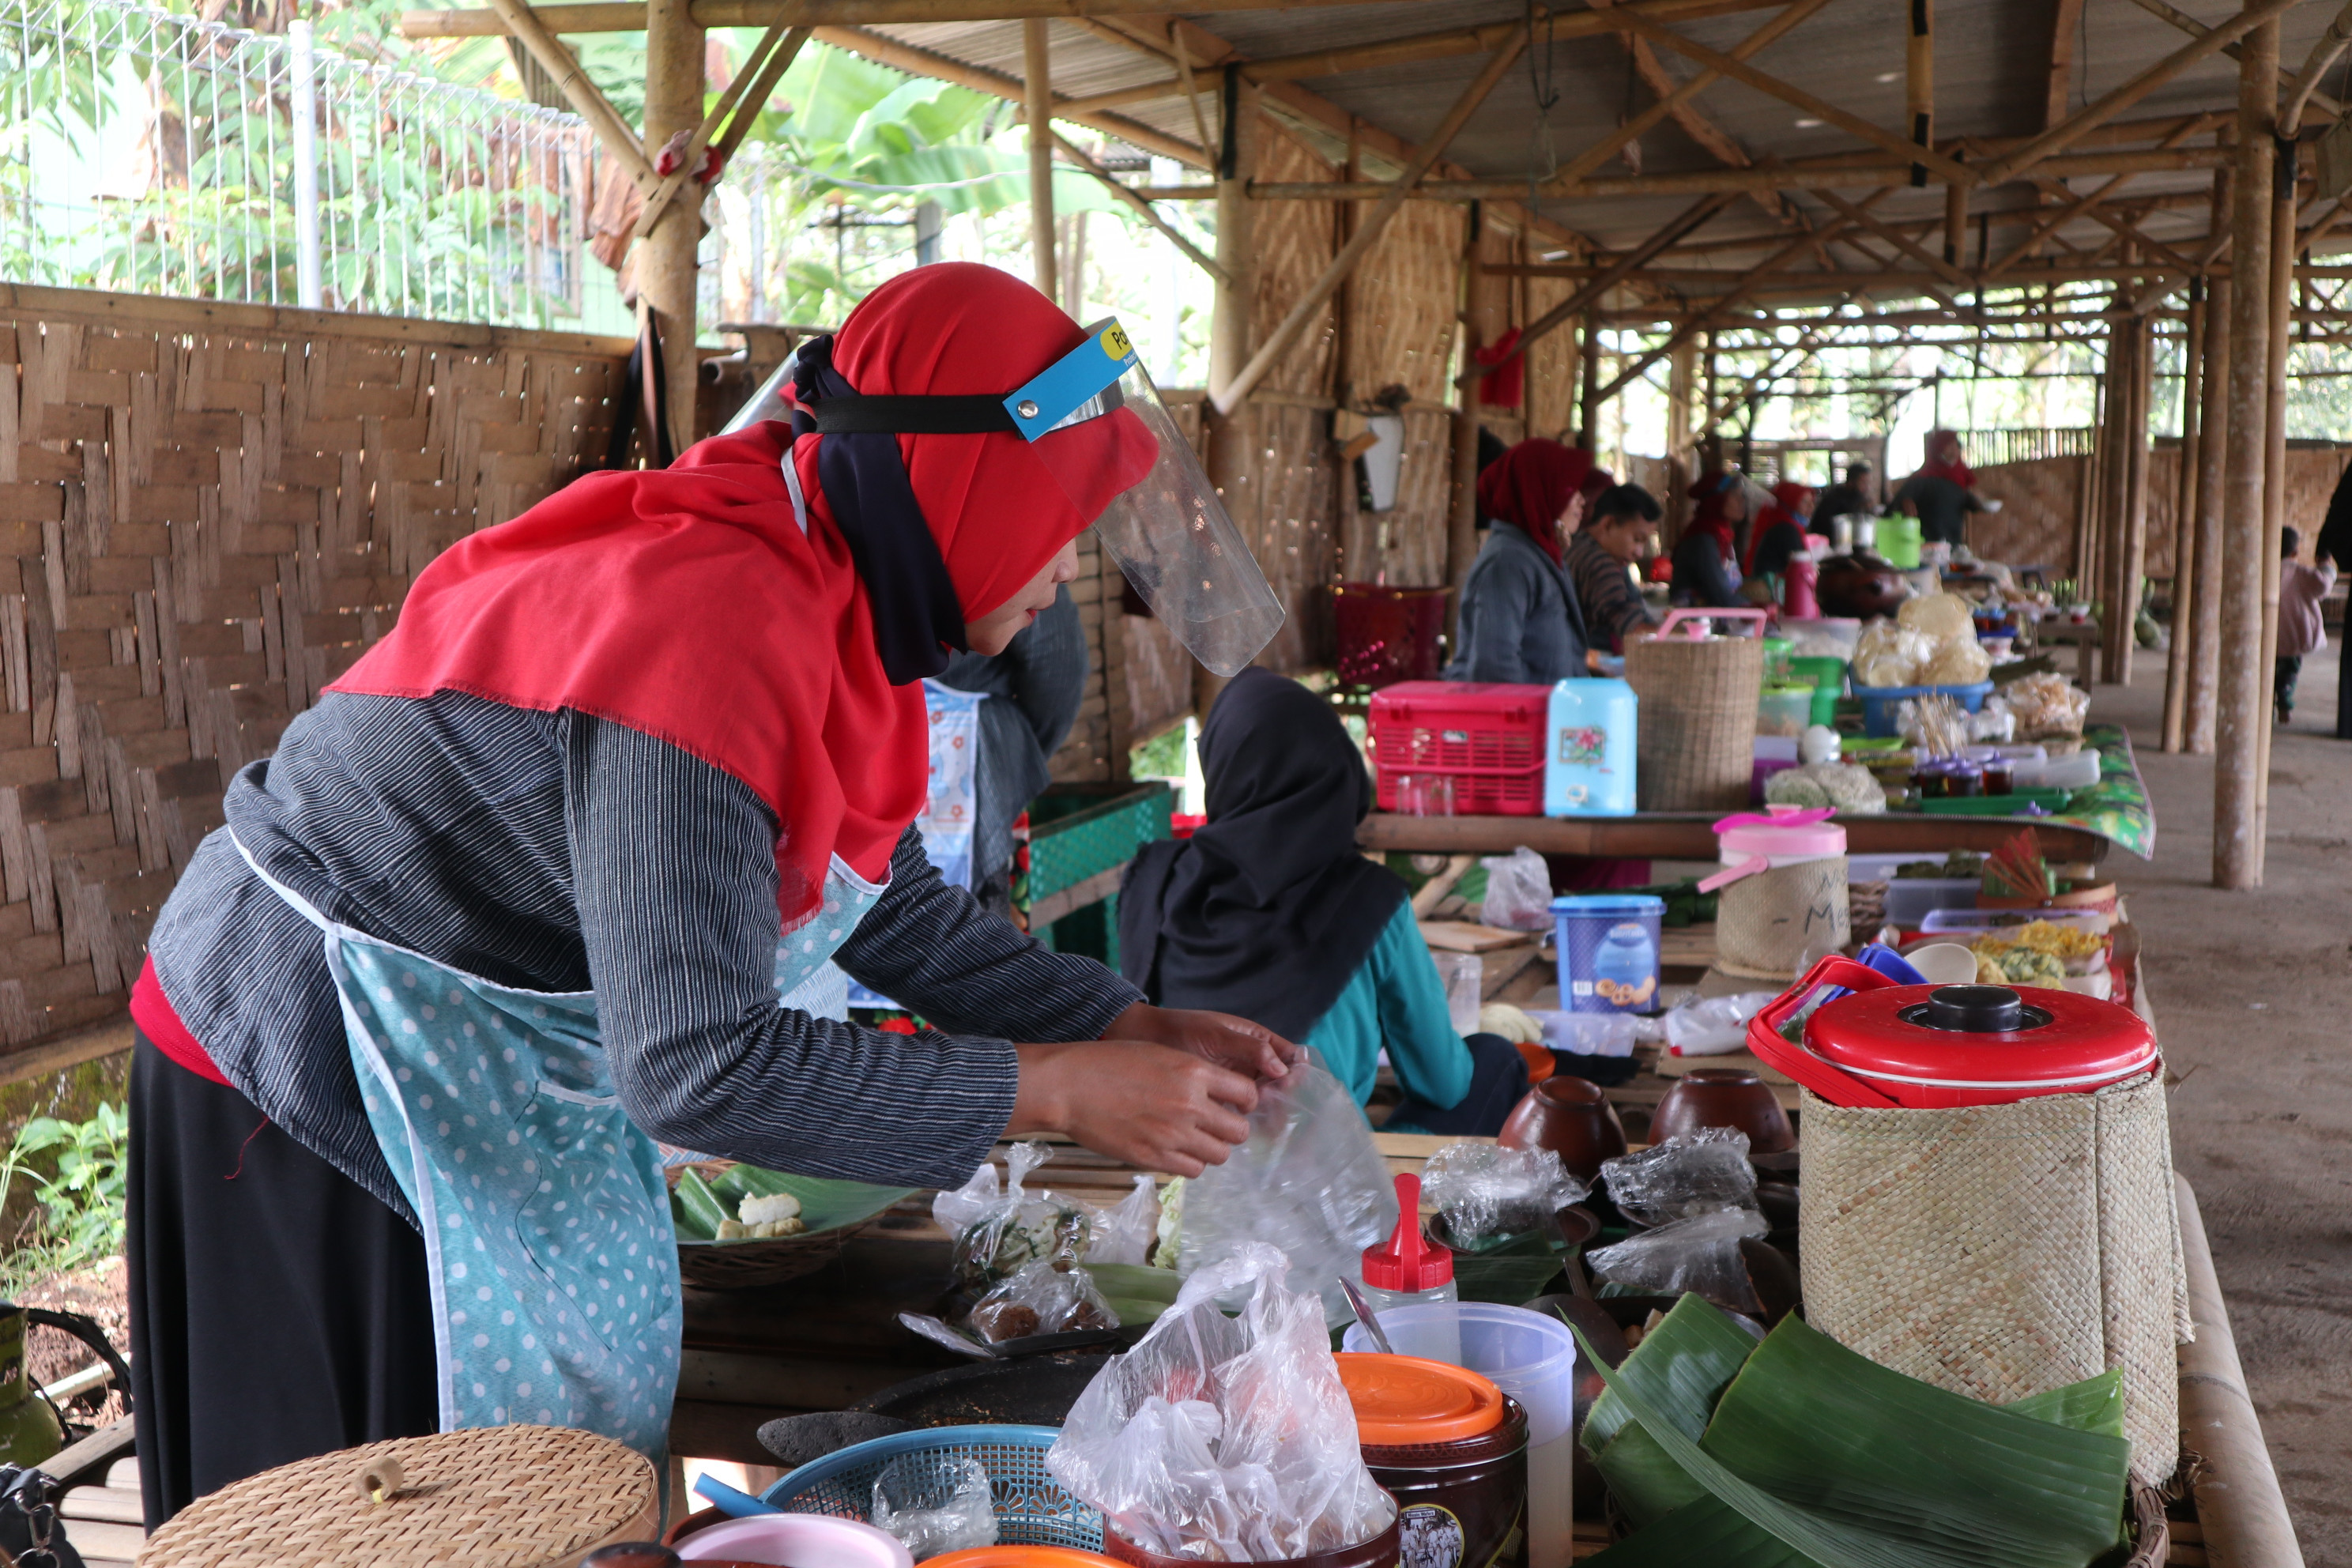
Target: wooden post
(1588, 400)
(1919, 99)
(2242, 710)
(1462, 514)
(2184, 520)
(665, 263)
(1231, 325)
(1037, 101)
(1343, 303)
(2282, 303)
(2127, 553)
(2205, 622)
(1681, 390)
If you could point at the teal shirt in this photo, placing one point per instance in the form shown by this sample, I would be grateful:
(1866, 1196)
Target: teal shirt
(1395, 1000)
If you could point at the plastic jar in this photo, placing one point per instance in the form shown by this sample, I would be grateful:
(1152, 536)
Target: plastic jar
(1450, 1445)
(1999, 777)
(1967, 779)
(1408, 1268)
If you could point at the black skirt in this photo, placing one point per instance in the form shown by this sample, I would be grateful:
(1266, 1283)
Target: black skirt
(279, 1310)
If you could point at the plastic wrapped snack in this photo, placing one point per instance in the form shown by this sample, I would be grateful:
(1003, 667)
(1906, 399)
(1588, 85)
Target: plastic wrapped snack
(1843, 786)
(1943, 617)
(1957, 661)
(935, 1503)
(1485, 1190)
(1710, 1025)
(1051, 1296)
(2046, 704)
(1689, 1174)
(1124, 1234)
(1518, 892)
(1225, 1439)
(1890, 655)
(1307, 1181)
(1700, 1253)
(998, 1233)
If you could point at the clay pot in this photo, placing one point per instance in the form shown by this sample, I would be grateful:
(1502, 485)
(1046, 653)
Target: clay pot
(1859, 587)
(1571, 1116)
(1724, 1097)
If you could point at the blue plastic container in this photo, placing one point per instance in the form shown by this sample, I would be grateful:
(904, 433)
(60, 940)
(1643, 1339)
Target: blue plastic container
(1032, 1508)
(1589, 729)
(1878, 702)
(1608, 946)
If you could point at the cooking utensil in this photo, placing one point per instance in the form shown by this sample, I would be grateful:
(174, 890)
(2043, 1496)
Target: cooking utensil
(734, 1504)
(947, 1337)
(1366, 1316)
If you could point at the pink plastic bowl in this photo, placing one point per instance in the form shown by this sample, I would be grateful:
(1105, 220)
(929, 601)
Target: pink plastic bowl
(801, 1539)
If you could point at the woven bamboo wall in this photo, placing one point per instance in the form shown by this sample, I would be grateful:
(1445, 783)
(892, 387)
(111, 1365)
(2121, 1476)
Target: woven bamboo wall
(206, 513)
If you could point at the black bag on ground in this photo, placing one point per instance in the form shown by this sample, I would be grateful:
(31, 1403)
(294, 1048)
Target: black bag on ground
(30, 1530)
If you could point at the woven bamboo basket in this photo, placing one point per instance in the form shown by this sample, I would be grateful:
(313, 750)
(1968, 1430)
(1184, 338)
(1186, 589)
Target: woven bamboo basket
(771, 1260)
(1695, 745)
(495, 1497)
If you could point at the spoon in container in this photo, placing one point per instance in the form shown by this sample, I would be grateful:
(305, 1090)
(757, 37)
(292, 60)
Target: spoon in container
(1364, 1315)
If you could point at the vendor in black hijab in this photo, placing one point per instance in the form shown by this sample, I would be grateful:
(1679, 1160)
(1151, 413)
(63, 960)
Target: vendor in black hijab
(1271, 912)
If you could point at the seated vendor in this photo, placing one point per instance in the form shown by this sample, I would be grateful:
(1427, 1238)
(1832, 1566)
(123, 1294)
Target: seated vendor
(1270, 910)
(1520, 622)
(1779, 536)
(1706, 558)
(1620, 530)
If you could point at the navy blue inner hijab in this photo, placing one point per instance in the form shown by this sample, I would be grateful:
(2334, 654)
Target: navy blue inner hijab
(917, 617)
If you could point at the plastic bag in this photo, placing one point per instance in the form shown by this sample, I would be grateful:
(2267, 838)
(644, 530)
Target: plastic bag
(1941, 615)
(1590, 1034)
(1485, 1190)
(1124, 1234)
(1890, 655)
(1842, 786)
(1710, 1025)
(1689, 1174)
(1225, 1439)
(935, 1503)
(1700, 1253)
(1518, 892)
(1051, 1296)
(1307, 1181)
(2046, 704)
(1957, 661)
(999, 1233)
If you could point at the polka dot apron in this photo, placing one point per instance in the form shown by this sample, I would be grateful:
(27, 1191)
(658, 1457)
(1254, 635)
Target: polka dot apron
(546, 1218)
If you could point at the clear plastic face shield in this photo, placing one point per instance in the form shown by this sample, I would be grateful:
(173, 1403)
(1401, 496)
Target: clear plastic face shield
(772, 400)
(1168, 531)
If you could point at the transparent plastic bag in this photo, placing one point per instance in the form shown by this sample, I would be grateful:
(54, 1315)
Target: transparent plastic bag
(935, 1503)
(1051, 1296)
(1941, 615)
(1485, 1190)
(1225, 1439)
(1518, 892)
(1307, 1181)
(1710, 1025)
(1890, 655)
(998, 1233)
(1957, 661)
(1700, 1253)
(1125, 1233)
(1689, 1174)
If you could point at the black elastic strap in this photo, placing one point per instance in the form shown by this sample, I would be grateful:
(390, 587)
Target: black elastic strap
(894, 415)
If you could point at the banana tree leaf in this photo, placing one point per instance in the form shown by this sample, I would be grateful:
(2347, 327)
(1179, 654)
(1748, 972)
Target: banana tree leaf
(1507, 1278)
(1700, 1532)
(825, 1204)
(2094, 1405)
(1684, 1364)
(1955, 1479)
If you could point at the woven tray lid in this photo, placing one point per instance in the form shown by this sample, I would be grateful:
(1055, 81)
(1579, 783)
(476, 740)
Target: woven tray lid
(494, 1496)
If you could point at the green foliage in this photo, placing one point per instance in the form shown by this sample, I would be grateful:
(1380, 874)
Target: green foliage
(80, 1171)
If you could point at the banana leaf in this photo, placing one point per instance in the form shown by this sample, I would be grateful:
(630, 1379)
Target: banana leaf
(1822, 1454)
(1683, 1364)
(1507, 1279)
(2094, 1405)
(825, 1204)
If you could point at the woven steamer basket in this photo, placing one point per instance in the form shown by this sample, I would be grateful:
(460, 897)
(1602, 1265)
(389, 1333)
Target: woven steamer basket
(1695, 743)
(2002, 1250)
(495, 1497)
(770, 1261)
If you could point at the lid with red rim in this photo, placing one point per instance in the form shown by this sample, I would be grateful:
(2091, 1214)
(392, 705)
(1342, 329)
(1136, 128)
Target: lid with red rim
(1982, 1037)
(1408, 1260)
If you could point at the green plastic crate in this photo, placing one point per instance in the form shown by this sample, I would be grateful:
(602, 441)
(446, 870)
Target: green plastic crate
(1075, 834)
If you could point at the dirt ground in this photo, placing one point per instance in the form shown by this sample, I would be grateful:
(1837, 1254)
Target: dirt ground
(2251, 993)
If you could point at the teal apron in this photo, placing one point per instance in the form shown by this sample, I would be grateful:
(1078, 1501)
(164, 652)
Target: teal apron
(545, 1213)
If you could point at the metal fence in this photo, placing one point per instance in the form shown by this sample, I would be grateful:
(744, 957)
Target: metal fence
(1992, 448)
(155, 153)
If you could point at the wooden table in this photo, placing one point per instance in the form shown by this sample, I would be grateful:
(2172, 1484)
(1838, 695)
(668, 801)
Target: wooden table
(2083, 635)
(1690, 836)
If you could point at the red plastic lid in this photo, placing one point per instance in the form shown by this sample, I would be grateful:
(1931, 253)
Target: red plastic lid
(1009, 1555)
(1402, 1401)
(1408, 1260)
(2059, 1039)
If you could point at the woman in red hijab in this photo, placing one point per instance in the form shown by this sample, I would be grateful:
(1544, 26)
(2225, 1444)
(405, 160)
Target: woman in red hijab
(1779, 536)
(1942, 494)
(520, 894)
(1706, 557)
(1520, 621)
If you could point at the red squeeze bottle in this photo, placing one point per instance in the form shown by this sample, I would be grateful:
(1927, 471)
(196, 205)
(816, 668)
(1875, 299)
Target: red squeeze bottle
(1408, 1268)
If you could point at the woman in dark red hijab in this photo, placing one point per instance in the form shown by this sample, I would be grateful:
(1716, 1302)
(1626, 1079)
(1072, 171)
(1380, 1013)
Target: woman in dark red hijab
(646, 750)
(1520, 622)
(1706, 558)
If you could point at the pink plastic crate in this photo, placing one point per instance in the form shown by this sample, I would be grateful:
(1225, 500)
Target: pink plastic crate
(1488, 739)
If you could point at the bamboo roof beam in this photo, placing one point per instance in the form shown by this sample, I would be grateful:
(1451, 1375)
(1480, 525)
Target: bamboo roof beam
(2197, 29)
(555, 57)
(1143, 209)
(745, 97)
(1698, 323)
(631, 18)
(2065, 20)
(1711, 138)
(1944, 270)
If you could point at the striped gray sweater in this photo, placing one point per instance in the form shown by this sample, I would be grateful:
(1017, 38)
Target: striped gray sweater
(560, 852)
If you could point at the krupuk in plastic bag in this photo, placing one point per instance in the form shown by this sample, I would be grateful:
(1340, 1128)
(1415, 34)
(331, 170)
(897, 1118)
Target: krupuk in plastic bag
(934, 1504)
(1518, 892)
(1700, 1253)
(1487, 1192)
(1689, 1174)
(1051, 1296)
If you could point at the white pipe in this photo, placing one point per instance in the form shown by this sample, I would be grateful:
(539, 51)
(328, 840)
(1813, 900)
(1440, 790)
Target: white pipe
(305, 95)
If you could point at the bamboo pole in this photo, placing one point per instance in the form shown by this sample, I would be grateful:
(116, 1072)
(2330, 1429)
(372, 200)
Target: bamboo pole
(1919, 97)
(1232, 324)
(1462, 513)
(2131, 563)
(2205, 622)
(1037, 104)
(555, 57)
(2282, 289)
(1588, 396)
(2242, 706)
(2184, 521)
(665, 260)
(1142, 208)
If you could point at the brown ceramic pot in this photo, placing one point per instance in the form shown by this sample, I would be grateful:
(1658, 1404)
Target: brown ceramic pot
(1724, 1097)
(1571, 1116)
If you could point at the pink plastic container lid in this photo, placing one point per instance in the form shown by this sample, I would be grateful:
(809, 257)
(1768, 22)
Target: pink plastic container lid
(1788, 831)
(803, 1539)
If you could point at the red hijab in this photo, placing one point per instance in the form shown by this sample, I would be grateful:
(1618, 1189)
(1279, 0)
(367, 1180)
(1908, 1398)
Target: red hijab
(1791, 503)
(1712, 517)
(686, 602)
(1938, 467)
(1530, 486)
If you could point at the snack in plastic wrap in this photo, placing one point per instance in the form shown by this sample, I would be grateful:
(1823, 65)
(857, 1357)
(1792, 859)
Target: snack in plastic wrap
(935, 1503)
(1518, 892)
(1890, 655)
(1051, 1296)
(1307, 1181)
(1957, 661)
(1225, 1439)
(1689, 1174)
(1935, 725)
(1943, 617)
(1843, 786)
(2046, 703)
(1488, 1192)
(1124, 1234)
(997, 1233)
(1711, 1026)
(1699, 1253)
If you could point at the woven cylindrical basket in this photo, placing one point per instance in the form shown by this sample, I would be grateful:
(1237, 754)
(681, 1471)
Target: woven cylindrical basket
(496, 1497)
(2002, 1250)
(1695, 743)
(1767, 925)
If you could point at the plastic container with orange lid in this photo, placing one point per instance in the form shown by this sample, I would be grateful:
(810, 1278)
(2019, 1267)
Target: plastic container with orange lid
(1008, 1555)
(1451, 1446)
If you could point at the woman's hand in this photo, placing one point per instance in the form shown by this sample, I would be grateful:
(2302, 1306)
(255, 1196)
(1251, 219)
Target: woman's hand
(1219, 1037)
(1149, 1106)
